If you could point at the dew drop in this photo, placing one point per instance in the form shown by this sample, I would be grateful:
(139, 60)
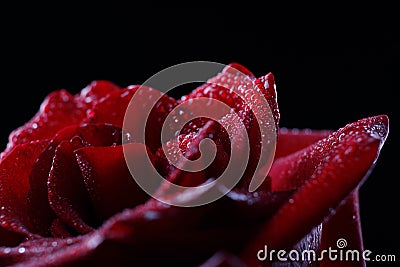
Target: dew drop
(21, 250)
(332, 211)
(341, 136)
(151, 215)
(124, 94)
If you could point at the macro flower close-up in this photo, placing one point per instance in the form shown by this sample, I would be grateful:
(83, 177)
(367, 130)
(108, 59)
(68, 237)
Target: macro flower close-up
(68, 198)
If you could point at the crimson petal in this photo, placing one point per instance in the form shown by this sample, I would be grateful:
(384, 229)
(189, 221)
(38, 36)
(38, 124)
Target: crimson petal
(58, 110)
(40, 211)
(112, 109)
(92, 134)
(255, 206)
(29, 252)
(292, 140)
(235, 87)
(66, 190)
(347, 215)
(189, 146)
(333, 178)
(108, 180)
(155, 227)
(268, 88)
(291, 171)
(96, 90)
(14, 188)
(59, 229)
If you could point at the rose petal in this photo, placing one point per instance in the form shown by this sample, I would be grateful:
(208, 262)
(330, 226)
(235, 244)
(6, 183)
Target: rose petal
(254, 100)
(188, 145)
(99, 134)
(292, 140)
(108, 180)
(267, 86)
(57, 111)
(347, 215)
(176, 235)
(96, 90)
(238, 155)
(228, 87)
(112, 109)
(255, 206)
(31, 252)
(121, 239)
(235, 86)
(334, 177)
(59, 229)
(291, 171)
(14, 187)
(92, 134)
(39, 208)
(66, 190)
(236, 66)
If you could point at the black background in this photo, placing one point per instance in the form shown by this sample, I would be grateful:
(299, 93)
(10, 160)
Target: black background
(326, 77)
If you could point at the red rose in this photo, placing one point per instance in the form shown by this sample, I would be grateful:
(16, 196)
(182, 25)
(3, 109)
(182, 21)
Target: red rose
(67, 197)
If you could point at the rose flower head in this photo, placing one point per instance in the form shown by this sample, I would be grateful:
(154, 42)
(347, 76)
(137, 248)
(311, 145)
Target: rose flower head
(122, 176)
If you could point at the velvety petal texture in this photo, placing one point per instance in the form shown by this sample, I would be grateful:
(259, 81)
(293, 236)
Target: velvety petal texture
(68, 198)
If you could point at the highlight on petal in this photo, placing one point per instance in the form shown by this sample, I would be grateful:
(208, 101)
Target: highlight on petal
(96, 91)
(58, 110)
(32, 252)
(66, 190)
(14, 187)
(333, 176)
(41, 214)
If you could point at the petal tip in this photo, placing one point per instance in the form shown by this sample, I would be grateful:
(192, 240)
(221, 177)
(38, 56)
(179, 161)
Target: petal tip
(380, 127)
